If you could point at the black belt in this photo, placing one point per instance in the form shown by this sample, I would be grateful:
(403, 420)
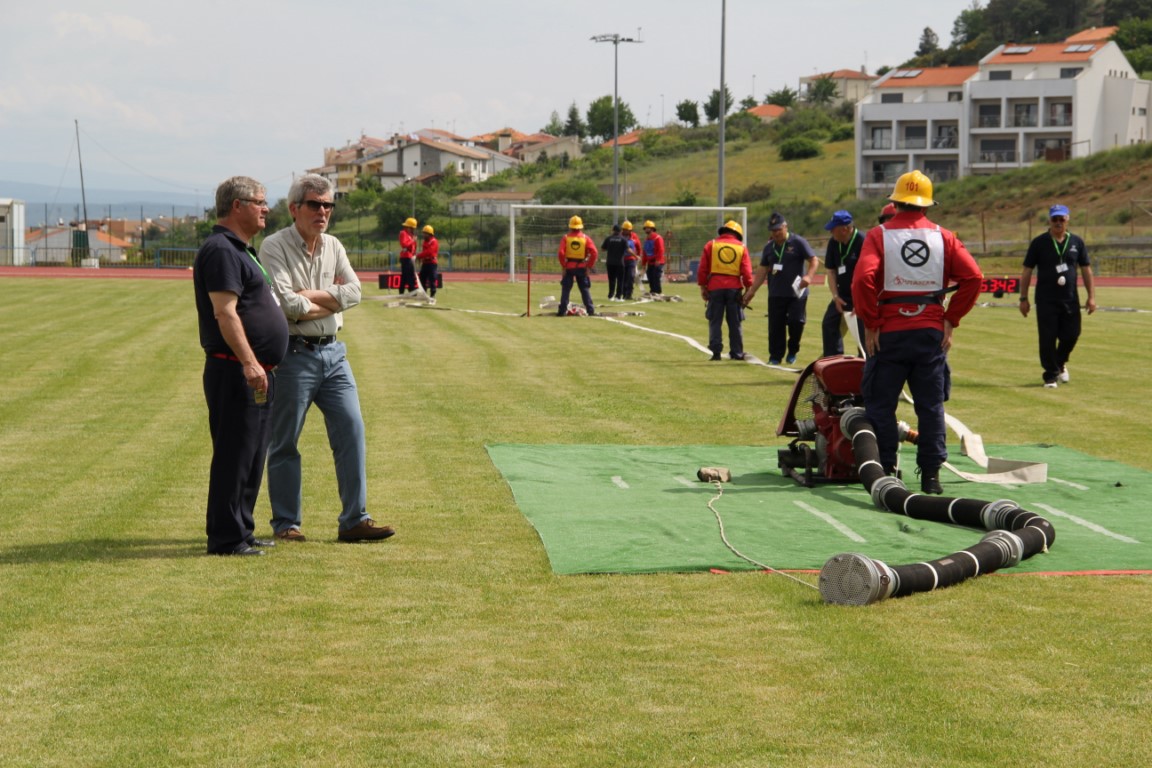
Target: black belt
(314, 341)
(930, 298)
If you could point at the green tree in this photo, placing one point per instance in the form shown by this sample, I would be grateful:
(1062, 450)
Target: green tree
(822, 90)
(712, 106)
(554, 127)
(572, 192)
(600, 118)
(785, 97)
(748, 102)
(575, 125)
(929, 42)
(688, 112)
(969, 25)
(1118, 11)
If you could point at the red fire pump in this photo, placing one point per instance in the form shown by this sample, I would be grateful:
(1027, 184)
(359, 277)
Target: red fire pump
(820, 452)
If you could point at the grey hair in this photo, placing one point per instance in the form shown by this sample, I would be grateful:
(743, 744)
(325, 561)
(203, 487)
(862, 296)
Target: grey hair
(309, 182)
(233, 189)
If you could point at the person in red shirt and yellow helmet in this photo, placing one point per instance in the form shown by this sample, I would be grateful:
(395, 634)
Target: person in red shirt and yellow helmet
(725, 271)
(631, 260)
(577, 257)
(407, 252)
(429, 258)
(906, 267)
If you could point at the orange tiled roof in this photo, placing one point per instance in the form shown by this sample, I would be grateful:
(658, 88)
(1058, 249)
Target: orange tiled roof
(844, 74)
(1042, 53)
(930, 77)
(1094, 35)
(770, 111)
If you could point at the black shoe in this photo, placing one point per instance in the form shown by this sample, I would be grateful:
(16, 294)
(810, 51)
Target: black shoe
(737, 355)
(241, 549)
(930, 480)
(715, 355)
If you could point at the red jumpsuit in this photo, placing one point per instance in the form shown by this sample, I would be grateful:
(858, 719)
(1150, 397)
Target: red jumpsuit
(429, 257)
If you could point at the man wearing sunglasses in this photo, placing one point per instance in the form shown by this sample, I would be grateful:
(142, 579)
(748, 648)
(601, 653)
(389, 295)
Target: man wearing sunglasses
(315, 283)
(1054, 256)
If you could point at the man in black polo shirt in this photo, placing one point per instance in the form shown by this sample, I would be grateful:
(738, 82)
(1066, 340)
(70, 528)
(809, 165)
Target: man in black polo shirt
(244, 336)
(840, 261)
(1054, 256)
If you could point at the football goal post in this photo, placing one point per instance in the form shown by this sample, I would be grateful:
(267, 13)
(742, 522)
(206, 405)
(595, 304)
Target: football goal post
(535, 231)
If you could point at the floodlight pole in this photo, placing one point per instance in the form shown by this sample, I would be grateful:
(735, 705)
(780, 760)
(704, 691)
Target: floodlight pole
(723, 106)
(616, 39)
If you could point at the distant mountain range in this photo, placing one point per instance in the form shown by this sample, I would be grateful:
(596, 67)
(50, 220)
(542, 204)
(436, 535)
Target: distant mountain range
(51, 204)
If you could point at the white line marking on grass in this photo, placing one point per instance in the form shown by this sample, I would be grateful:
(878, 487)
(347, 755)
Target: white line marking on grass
(1087, 524)
(1069, 483)
(851, 534)
(686, 481)
(619, 482)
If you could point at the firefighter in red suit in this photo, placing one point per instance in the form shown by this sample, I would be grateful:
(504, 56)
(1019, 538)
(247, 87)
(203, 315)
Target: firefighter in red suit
(906, 266)
(577, 257)
(429, 257)
(725, 271)
(631, 260)
(653, 258)
(407, 253)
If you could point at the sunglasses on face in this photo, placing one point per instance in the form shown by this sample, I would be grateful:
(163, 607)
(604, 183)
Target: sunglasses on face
(316, 205)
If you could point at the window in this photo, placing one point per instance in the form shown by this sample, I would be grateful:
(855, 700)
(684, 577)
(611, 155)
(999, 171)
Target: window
(1017, 50)
(1060, 115)
(886, 171)
(988, 116)
(881, 138)
(891, 98)
(1081, 48)
(907, 73)
(1024, 115)
(997, 151)
(955, 96)
(1000, 74)
(1069, 73)
(915, 137)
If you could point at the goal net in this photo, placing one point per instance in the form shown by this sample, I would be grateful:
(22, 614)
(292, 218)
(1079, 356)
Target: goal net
(535, 231)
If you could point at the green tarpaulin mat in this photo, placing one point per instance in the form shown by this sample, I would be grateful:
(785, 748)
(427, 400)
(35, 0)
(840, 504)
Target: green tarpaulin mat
(640, 509)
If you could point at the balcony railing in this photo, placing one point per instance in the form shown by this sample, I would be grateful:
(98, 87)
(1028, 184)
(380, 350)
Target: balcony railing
(914, 143)
(944, 142)
(1025, 121)
(988, 121)
(878, 143)
(1059, 121)
(997, 156)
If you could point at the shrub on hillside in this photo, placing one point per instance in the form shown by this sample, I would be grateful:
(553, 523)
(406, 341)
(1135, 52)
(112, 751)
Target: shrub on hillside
(800, 148)
(755, 191)
(843, 132)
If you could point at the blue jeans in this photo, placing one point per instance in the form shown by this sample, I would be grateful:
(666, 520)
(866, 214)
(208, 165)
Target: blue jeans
(322, 376)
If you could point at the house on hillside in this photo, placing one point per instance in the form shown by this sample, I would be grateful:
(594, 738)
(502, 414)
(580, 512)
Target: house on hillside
(488, 203)
(545, 146)
(767, 112)
(56, 245)
(1020, 105)
(344, 165)
(851, 85)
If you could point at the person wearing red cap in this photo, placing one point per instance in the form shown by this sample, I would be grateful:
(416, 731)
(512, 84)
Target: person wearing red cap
(725, 270)
(887, 212)
(1054, 256)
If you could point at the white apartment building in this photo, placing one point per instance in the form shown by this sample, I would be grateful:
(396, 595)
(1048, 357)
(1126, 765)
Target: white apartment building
(1021, 104)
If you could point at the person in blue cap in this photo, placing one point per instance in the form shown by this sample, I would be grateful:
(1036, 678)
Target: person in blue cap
(1054, 257)
(840, 262)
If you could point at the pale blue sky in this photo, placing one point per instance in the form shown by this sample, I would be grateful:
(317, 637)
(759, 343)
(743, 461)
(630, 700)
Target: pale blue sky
(179, 96)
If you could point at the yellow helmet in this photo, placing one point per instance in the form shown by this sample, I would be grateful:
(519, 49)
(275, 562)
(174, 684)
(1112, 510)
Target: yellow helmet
(409, 222)
(913, 188)
(575, 223)
(734, 227)
(649, 224)
(428, 230)
(626, 226)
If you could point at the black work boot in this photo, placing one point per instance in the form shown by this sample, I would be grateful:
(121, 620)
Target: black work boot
(930, 480)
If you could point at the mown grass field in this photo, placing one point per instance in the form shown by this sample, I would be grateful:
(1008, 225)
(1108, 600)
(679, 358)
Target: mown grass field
(122, 644)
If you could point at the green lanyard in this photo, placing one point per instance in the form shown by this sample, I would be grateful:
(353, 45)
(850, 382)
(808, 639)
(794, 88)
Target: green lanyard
(253, 255)
(780, 253)
(848, 248)
(1059, 250)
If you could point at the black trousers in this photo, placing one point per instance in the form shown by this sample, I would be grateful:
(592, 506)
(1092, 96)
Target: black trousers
(831, 329)
(583, 282)
(615, 281)
(407, 276)
(786, 318)
(629, 278)
(240, 430)
(1058, 324)
(428, 277)
(724, 306)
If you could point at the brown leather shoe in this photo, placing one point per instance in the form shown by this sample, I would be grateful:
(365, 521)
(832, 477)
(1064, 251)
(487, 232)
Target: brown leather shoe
(367, 530)
(291, 534)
